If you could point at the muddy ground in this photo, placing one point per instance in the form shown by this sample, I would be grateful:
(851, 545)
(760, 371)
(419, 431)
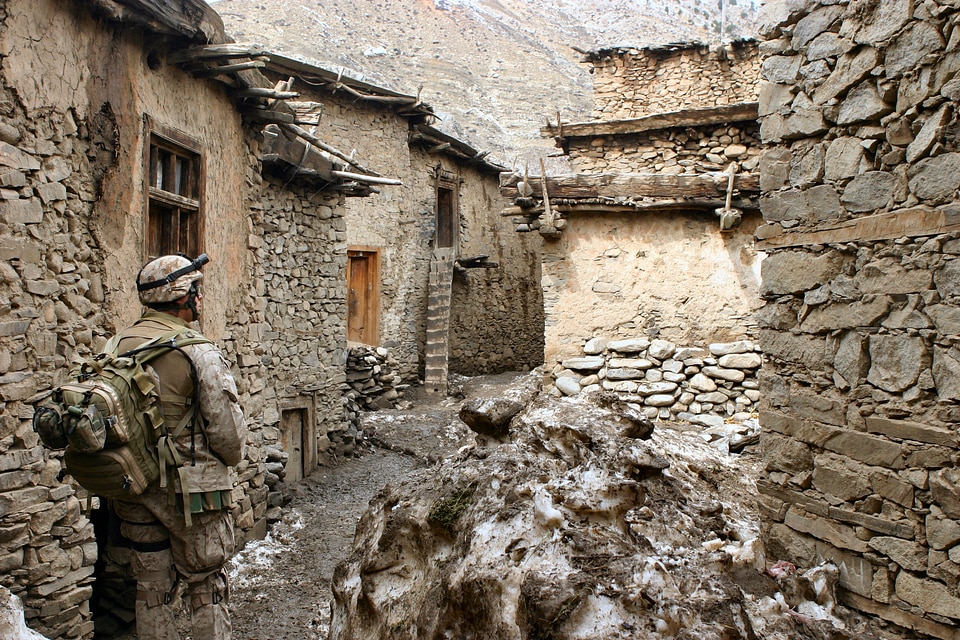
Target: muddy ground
(280, 588)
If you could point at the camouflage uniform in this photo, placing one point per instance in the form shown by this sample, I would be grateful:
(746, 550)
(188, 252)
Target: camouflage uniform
(165, 548)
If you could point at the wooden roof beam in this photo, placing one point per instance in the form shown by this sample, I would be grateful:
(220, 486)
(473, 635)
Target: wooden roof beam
(686, 118)
(633, 185)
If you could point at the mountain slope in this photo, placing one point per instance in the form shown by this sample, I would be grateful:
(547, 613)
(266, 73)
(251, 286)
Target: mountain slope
(494, 69)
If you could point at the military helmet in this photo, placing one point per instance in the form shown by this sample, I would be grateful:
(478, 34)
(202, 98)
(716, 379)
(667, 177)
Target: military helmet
(168, 278)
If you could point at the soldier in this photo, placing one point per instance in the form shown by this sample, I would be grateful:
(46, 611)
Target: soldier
(185, 533)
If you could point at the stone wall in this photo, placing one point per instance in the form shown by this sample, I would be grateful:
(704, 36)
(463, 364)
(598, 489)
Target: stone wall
(861, 388)
(496, 316)
(71, 239)
(634, 82)
(672, 151)
(295, 355)
(693, 384)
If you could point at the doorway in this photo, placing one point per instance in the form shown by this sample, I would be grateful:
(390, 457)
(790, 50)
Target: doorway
(363, 295)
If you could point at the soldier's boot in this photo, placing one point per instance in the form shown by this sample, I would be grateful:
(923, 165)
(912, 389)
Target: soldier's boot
(156, 583)
(208, 607)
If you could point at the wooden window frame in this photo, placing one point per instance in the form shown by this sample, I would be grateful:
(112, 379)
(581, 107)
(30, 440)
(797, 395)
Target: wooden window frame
(185, 203)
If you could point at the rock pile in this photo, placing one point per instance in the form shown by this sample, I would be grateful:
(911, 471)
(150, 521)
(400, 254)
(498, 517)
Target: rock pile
(276, 474)
(691, 384)
(372, 383)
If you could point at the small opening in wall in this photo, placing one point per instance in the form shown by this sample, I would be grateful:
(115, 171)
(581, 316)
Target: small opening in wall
(154, 60)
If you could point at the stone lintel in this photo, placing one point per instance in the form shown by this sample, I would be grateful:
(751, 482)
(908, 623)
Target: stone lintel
(839, 535)
(898, 616)
(906, 430)
(803, 430)
(866, 448)
(791, 497)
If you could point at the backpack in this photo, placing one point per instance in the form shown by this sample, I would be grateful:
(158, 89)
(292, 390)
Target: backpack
(109, 420)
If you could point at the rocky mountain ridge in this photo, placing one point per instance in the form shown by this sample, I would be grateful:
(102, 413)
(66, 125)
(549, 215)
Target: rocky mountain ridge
(494, 70)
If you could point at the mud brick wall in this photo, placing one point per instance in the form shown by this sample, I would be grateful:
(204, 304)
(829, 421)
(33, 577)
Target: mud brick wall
(861, 386)
(635, 82)
(669, 151)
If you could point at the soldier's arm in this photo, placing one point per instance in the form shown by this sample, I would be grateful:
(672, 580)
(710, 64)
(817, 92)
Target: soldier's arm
(219, 405)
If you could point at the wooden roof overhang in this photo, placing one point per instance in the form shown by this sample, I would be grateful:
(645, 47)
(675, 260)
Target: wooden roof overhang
(420, 115)
(190, 34)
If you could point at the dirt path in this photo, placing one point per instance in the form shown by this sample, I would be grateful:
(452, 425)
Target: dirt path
(281, 586)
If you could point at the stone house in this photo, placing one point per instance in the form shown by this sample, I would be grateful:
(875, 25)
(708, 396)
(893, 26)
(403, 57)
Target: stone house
(435, 274)
(637, 263)
(130, 129)
(858, 111)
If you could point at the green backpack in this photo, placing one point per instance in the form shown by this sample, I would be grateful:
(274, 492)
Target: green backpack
(109, 419)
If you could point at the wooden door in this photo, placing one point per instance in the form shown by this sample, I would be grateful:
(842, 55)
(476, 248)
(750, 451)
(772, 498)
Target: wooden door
(363, 302)
(292, 426)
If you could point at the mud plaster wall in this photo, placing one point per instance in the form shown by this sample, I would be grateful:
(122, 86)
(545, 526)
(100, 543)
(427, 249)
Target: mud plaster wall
(861, 388)
(631, 83)
(71, 241)
(668, 276)
(496, 316)
(490, 330)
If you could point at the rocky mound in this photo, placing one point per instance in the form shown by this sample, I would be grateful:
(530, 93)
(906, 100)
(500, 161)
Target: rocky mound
(576, 524)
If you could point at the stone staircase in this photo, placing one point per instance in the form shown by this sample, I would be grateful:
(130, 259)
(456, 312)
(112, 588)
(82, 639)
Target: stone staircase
(438, 320)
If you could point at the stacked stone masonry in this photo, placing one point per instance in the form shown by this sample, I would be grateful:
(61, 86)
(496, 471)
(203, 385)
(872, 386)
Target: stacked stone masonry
(674, 151)
(861, 328)
(636, 82)
(372, 384)
(670, 382)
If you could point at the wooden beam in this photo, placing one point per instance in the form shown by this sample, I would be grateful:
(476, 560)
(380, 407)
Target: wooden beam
(323, 146)
(633, 185)
(686, 118)
(229, 69)
(266, 92)
(662, 206)
(193, 19)
(920, 221)
(194, 54)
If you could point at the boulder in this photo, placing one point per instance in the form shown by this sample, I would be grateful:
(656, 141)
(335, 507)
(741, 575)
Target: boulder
(490, 416)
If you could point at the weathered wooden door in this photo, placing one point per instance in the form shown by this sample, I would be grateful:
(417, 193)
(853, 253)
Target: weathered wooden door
(363, 302)
(292, 428)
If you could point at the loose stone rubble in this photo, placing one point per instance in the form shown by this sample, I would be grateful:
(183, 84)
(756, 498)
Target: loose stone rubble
(693, 384)
(372, 383)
